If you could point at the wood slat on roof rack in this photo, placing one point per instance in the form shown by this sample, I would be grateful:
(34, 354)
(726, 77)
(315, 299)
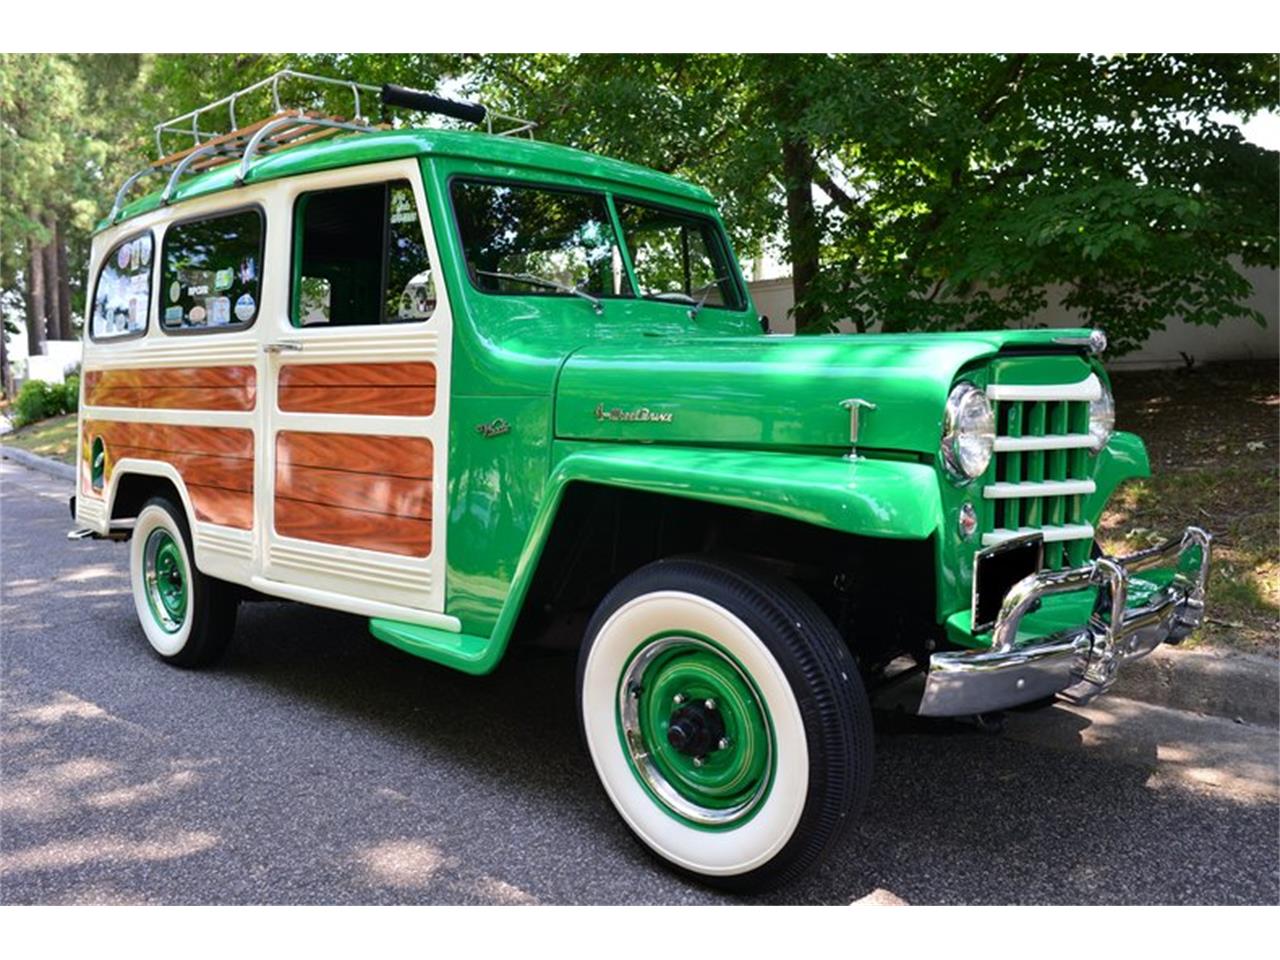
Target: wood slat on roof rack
(234, 142)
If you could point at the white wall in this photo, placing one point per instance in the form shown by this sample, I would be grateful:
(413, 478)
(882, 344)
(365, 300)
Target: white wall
(1230, 340)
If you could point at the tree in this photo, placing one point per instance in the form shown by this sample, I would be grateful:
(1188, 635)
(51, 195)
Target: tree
(941, 191)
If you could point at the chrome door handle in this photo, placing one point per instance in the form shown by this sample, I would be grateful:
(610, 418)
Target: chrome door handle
(283, 346)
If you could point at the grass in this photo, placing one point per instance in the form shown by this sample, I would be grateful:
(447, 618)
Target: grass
(1211, 433)
(55, 438)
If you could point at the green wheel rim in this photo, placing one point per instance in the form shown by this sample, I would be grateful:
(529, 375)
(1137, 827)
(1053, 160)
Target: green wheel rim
(696, 731)
(164, 571)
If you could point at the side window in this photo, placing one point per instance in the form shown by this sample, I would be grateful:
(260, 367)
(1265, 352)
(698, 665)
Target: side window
(360, 257)
(212, 276)
(122, 294)
(532, 240)
(678, 256)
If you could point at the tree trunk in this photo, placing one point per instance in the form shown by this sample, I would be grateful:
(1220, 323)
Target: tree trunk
(64, 286)
(6, 383)
(798, 167)
(53, 316)
(35, 300)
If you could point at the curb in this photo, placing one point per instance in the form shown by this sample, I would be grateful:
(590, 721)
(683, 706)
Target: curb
(54, 468)
(1237, 686)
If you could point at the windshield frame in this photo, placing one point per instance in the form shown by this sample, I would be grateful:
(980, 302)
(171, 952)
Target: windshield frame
(603, 191)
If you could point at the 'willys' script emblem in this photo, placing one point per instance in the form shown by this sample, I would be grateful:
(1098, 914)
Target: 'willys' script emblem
(639, 415)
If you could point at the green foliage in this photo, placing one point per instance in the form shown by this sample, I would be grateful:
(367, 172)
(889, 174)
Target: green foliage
(925, 192)
(39, 400)
(71, 394)
(950, 191)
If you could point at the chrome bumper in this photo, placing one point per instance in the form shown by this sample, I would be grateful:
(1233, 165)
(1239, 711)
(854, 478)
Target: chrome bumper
(1079, 664)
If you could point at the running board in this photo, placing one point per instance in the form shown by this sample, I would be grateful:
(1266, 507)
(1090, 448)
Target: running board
(460, 651)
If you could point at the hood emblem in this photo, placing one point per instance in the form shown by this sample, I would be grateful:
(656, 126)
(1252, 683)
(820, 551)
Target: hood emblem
(853, 405)
(639, 415)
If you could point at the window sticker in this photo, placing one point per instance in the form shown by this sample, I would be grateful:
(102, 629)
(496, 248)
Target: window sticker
(219, 311)
(210, 271)
(122, 293)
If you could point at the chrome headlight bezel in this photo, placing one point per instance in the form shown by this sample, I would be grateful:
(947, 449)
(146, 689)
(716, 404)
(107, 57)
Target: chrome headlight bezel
(968, 433)
(1102, 419)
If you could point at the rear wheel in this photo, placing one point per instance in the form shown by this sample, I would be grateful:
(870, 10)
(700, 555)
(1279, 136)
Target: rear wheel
(726, 720)
(187, 617)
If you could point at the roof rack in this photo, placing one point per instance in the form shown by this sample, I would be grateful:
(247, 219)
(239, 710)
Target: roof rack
(288, 127)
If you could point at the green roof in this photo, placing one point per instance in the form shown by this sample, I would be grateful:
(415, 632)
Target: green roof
(350, 150)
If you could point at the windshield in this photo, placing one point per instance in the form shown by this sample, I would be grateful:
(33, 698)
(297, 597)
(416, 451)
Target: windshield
(678, 256)
(524, 239)
(532, 240)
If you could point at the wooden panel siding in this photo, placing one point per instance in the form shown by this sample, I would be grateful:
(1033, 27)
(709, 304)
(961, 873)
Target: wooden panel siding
(215, 463)
(355, 491)
(382, 389)
(173, 388)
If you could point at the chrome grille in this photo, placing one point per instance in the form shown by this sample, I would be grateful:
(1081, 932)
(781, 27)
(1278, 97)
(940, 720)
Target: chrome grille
(1042, 468)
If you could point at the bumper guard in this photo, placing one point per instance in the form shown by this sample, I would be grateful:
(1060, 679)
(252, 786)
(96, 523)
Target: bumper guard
(1082, 663)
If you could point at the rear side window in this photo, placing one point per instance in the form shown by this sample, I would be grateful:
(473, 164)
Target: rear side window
(212, 272)
(531, 240)
(122, 295)
(360, 257)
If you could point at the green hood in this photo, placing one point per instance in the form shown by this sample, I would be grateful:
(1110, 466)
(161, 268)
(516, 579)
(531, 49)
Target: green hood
(769, 391)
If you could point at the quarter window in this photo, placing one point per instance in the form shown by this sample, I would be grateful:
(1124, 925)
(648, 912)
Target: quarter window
(122, 295)
(361, 257)
(212, 276)
(520, 239)
(678, 256)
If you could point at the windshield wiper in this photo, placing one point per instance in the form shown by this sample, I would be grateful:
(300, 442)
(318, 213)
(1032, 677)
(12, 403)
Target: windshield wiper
(705, 290)
(548, 284)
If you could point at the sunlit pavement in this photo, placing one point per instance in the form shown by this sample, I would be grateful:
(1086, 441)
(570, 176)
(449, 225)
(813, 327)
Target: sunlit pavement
(315, 765)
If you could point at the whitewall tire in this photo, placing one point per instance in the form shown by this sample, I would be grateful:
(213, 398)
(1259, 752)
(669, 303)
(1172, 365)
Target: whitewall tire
(186, 616)
(726, 720)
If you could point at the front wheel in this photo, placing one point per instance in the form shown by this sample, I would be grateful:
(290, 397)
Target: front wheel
(188, 617)
(726, 720)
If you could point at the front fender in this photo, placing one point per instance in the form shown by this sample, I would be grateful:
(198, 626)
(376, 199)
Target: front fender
(1123, 458)
(874, 498)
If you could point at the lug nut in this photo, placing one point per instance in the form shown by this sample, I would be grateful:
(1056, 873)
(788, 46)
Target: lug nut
(678, 698)
(698, 761)
(711, 704)
(723, 744)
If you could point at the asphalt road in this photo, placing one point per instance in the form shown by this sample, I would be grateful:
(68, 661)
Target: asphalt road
(316, 765)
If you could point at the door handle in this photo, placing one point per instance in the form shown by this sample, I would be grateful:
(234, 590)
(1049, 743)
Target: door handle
(283, 346)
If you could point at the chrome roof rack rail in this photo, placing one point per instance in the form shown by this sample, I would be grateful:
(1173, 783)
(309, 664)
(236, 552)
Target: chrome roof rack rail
(288, 126)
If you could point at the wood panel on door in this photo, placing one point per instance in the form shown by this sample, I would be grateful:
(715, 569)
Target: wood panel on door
(172, 388)
(215, 463)
(377, 389)
(353, 490)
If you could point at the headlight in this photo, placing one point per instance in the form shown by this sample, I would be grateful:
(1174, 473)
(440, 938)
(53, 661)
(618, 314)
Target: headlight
(968, 432)
(1102, 419)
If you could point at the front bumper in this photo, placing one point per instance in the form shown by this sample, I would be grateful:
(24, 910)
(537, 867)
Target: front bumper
(1078, 663)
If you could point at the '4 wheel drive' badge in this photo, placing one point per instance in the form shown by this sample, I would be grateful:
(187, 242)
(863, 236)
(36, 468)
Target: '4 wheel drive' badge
(639, 415)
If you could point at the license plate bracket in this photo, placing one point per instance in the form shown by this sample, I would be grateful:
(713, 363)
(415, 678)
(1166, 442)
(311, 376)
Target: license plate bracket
(996, 569)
